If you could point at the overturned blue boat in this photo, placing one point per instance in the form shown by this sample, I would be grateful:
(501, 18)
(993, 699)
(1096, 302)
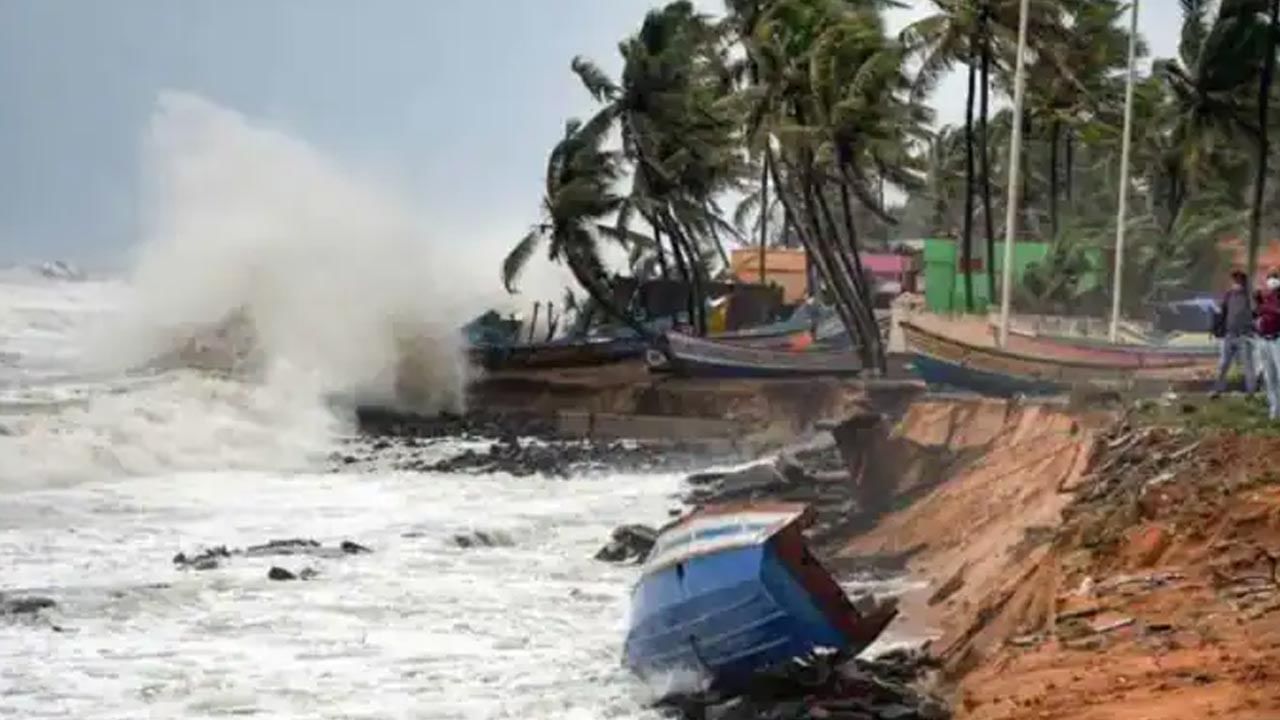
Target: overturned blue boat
(731, 592)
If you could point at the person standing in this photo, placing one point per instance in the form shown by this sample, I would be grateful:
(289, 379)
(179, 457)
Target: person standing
(1268, 328)
(1234, 325)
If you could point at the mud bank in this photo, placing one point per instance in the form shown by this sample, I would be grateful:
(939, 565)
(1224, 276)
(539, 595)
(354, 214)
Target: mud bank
(1078, 565)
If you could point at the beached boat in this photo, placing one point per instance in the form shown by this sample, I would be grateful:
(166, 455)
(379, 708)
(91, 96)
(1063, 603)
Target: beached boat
(558, 354)
(1098, 351)
(731, 592)
(947, 362)
(695, 357)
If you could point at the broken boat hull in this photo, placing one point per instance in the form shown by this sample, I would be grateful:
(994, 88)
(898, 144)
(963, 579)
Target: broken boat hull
(731, 592)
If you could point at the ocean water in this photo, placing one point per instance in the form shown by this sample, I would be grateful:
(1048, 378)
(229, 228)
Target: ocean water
(104, 476)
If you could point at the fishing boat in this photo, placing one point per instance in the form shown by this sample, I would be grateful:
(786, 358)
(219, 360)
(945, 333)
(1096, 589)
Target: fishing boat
(947, 362)
(558, 353)
(731, 592)
(1098, 351)
(695, 357)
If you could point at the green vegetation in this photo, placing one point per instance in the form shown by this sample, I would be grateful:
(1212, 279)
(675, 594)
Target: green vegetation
(813, 116)
(1230, 413)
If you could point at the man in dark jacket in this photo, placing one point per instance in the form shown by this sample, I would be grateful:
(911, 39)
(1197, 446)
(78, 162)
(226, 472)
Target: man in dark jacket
(1234, 324)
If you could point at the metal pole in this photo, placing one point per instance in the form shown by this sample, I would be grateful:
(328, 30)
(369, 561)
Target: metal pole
(1015, 170)
(1122, 210)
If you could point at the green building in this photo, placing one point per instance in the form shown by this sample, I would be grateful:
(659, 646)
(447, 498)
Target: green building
(944, 277)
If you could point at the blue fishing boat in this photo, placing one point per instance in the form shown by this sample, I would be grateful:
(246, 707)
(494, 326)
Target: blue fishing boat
(732, 591)
(688, 356)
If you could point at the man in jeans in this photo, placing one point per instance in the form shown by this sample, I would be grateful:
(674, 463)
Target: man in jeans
(1234, 324)
(1268, 341)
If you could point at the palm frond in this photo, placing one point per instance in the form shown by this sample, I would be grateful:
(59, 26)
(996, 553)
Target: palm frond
(595, 80)
(516, 261)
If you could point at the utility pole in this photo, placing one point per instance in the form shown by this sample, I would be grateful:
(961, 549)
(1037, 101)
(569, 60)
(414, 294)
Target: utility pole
(1123, 209)
(1015, 171)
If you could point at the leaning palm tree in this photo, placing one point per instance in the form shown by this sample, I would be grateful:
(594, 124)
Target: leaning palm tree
(580, 196)
(674, 113)
(820, 95)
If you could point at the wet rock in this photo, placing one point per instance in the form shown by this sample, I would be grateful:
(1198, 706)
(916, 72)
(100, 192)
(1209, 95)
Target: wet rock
(215, 557)
(629, 543)
(208, 559)
(279, 574)
(562, 459)
(353, 548)
(476, 424)
(29, 605)
(484, 539)
(293, 546)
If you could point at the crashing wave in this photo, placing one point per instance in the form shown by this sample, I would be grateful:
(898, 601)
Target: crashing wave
(229, 347)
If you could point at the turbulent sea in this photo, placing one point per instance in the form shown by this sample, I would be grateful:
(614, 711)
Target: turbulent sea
(105, 475)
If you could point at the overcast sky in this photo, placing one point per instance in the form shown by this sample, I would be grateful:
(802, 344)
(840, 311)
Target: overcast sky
(453, 102)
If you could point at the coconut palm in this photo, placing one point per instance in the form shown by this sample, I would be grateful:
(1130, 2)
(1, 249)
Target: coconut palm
(674, 113)
(827, 108)
(580, 196)
(1258, 22)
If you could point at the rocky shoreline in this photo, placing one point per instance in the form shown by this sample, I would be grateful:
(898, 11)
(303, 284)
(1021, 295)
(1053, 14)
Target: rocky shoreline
(520, 444)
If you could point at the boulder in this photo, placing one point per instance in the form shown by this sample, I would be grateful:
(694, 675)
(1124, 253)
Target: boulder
(30, 605)
(484, 539)
(629, 543)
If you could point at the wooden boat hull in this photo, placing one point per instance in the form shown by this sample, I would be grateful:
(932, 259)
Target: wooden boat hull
(557, 355)
(693, 357)
(731, 592)
(948, 363)
(1121, 355)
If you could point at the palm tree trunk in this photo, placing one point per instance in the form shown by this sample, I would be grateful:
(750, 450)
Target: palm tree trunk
(811, 244)
(985, 148)
(1264, 141)
(1071, 171)
(701, 277)
(966, 246)
(873, 332)
(685, 275)
(1055, 132)
(662, 254)
(599, 293)
(764, 217)
(846, 279)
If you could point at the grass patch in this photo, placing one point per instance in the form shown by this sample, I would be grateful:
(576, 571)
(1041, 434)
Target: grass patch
(1230, 413)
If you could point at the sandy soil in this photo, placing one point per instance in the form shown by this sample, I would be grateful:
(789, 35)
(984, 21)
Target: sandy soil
(1086, 573)
(980, 532)
(1161, 596)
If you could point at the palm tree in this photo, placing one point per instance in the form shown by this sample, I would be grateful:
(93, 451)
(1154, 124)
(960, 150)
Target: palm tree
(1259, 20)
(673, 110)
(579, 197)
(827, 106)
